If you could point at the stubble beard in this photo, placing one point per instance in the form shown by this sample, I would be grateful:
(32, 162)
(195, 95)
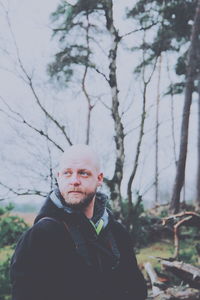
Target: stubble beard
(82, 204)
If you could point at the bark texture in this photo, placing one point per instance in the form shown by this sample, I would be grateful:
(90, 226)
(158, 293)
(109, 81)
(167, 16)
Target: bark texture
(115, 182)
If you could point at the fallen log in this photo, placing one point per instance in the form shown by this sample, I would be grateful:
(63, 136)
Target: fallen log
(179, 293)
(153, 278)
(171, 293)
(188, 273)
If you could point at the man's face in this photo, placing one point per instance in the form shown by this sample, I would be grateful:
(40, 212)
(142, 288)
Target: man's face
(78, 179)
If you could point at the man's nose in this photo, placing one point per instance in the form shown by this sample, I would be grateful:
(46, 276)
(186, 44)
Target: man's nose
(74, 180)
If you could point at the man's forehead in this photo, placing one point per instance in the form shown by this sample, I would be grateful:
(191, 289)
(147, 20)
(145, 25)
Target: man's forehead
(83, 158)
(79, 163)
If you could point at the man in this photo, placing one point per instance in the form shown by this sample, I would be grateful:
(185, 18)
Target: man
(76, 250)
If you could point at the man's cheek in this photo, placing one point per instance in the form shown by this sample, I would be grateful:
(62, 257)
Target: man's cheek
(64, 182)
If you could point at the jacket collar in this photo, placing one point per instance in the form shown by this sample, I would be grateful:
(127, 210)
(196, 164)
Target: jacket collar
(56, 207)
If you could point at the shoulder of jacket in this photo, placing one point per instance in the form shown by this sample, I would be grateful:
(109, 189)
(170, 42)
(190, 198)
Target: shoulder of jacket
(44, 227)
(47, 223)
(45, 232)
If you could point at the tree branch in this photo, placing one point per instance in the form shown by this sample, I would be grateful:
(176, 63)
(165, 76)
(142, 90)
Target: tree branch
(25, 192)
(140, 29)
(30, 84)
(102, 74)
(41, 132)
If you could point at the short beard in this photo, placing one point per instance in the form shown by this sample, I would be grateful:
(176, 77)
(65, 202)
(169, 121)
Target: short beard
(83, 203)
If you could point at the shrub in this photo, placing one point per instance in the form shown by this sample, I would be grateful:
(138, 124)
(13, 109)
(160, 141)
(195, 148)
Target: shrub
(5, 285)
(11, 228)
(6, 209)
(139, 224)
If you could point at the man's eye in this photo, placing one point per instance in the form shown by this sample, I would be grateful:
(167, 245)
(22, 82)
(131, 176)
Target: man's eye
(83, 173)
(67, 173)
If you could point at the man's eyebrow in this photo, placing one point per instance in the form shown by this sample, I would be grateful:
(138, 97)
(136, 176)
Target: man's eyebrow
(84, 170)
(79, 170)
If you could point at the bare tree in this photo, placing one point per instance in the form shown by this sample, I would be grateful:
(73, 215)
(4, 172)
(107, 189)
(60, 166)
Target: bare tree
(24, 121)
(146, 83)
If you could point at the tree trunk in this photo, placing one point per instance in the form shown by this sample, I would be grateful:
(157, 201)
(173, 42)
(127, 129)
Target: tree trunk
(190, 76)
(141, 134)
(135, 166)
(172, 115)
(157, 130)
(89, 102)
(186, 272)
(197, 202)
(115, 182)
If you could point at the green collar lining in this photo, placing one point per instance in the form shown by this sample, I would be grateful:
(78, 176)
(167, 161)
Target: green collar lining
(99, 227)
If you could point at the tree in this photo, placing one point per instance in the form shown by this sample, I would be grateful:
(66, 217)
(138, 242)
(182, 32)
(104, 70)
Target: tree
(172, 33)
(146, 81)
(81, 19)
(190, 77)
(25, 127)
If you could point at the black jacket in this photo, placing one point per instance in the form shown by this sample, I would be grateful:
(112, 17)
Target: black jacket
(46, 265)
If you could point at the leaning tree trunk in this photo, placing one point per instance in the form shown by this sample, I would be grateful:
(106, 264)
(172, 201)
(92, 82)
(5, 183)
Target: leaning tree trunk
(190, 75)
(115, 182)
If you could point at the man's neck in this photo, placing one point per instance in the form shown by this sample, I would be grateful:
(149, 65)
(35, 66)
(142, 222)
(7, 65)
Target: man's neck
(89, 210)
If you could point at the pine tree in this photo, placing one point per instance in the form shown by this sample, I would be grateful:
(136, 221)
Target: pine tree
(172, 22)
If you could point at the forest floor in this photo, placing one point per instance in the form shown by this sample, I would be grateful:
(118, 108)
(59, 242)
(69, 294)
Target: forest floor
(165, 249)
(162, 249)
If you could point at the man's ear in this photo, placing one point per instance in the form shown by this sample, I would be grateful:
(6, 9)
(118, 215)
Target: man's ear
(100, 179)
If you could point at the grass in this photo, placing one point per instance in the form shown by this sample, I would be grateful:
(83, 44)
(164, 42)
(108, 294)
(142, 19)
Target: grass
(165, 249)
(160, 249)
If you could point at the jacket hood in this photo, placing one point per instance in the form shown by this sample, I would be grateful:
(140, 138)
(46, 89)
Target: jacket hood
(55, 207)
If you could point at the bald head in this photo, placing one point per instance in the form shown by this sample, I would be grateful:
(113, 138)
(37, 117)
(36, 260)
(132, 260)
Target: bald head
(80, 152)
(79, 176)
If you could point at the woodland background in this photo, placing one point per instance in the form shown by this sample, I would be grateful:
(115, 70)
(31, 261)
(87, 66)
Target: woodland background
(122, 76)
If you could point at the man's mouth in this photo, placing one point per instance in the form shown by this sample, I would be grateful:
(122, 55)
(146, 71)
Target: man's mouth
(75, 192)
